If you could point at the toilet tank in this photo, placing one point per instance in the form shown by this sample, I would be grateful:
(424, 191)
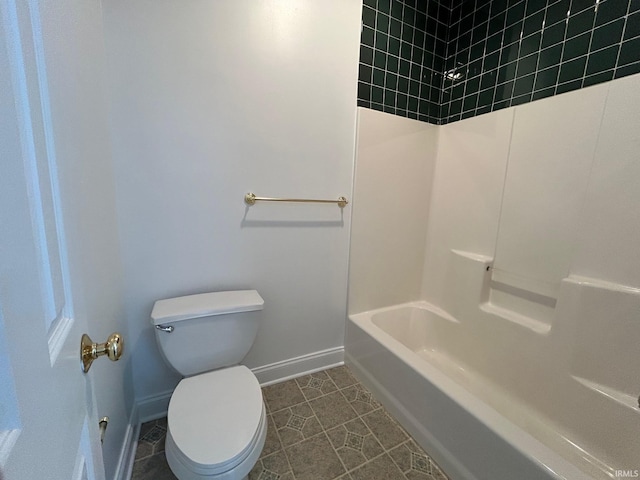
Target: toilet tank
(204, 332)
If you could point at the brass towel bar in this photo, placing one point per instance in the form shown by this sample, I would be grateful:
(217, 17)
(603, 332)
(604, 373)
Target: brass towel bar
(251, 199)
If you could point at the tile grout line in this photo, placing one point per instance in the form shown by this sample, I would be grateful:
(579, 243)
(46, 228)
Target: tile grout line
(359, 416)
(153, 445)
(624, 29)
(589, 52)
(282, 448)
(323, 430)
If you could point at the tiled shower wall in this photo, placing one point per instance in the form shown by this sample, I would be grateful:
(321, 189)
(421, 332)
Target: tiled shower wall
(402, 55)
(497, 53)
(513, 52)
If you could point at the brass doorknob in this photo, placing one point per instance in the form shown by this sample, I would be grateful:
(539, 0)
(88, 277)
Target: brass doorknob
(89, 350)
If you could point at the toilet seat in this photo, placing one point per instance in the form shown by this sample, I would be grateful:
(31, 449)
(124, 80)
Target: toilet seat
(183, 470)
(216, 421)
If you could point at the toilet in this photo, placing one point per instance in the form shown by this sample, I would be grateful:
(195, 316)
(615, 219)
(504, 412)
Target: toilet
(216, 424)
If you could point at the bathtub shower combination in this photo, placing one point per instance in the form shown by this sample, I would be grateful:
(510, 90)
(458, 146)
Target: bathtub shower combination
(522, 363)
(490, 398)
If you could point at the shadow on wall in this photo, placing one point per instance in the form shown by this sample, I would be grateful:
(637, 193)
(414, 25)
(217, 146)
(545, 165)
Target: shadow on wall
(266, 218)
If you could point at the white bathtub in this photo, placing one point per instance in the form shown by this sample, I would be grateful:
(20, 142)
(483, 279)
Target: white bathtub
(488, 400)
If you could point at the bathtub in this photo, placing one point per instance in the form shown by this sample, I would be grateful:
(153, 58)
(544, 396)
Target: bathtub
(489, 400)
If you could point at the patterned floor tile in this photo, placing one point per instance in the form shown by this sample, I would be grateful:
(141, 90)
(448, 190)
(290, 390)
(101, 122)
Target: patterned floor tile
(155, 435)
(360, 399)
(282, 395)
(354, 443)
(272, 467)
(145, 428)
(341, 432)
(436, 472)
(151, 438)
(152, 468)
(144, 450)
(272, 443)
(316, 385)
(388, 432)
(332, 410)
(412, 460)
(381, 468)
(341, 376)
(268, 475)
(296, 423)
(162, 422)
(314, 459)
(159, 447)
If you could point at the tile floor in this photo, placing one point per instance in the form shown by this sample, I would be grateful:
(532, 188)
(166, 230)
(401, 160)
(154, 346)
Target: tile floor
(321, 426)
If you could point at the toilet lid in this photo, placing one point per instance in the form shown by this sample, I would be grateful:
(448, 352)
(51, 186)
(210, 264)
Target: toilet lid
(214, 417)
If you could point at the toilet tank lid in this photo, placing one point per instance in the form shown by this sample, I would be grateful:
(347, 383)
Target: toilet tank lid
(205, 304)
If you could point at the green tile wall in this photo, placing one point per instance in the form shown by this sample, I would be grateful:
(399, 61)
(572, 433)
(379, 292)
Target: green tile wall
(402, 56)
(513, 52)
(478, 56)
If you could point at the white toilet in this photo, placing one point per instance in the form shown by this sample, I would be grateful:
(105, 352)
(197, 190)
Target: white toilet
(216, 421)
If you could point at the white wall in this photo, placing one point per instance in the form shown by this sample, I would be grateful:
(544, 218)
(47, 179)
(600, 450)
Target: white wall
(394, 171)
(212, 100)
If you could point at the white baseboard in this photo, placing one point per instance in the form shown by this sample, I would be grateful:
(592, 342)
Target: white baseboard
(129, 446)
(156, 406)
(298, 366)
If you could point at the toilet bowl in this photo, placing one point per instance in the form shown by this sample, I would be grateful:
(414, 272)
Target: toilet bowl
(216, 423)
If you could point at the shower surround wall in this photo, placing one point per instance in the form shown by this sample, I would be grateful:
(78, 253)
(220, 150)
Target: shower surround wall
(506, 53)
(532, 269)
(386, 269)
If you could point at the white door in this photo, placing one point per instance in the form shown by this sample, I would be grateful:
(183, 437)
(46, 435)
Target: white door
(48, 420)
